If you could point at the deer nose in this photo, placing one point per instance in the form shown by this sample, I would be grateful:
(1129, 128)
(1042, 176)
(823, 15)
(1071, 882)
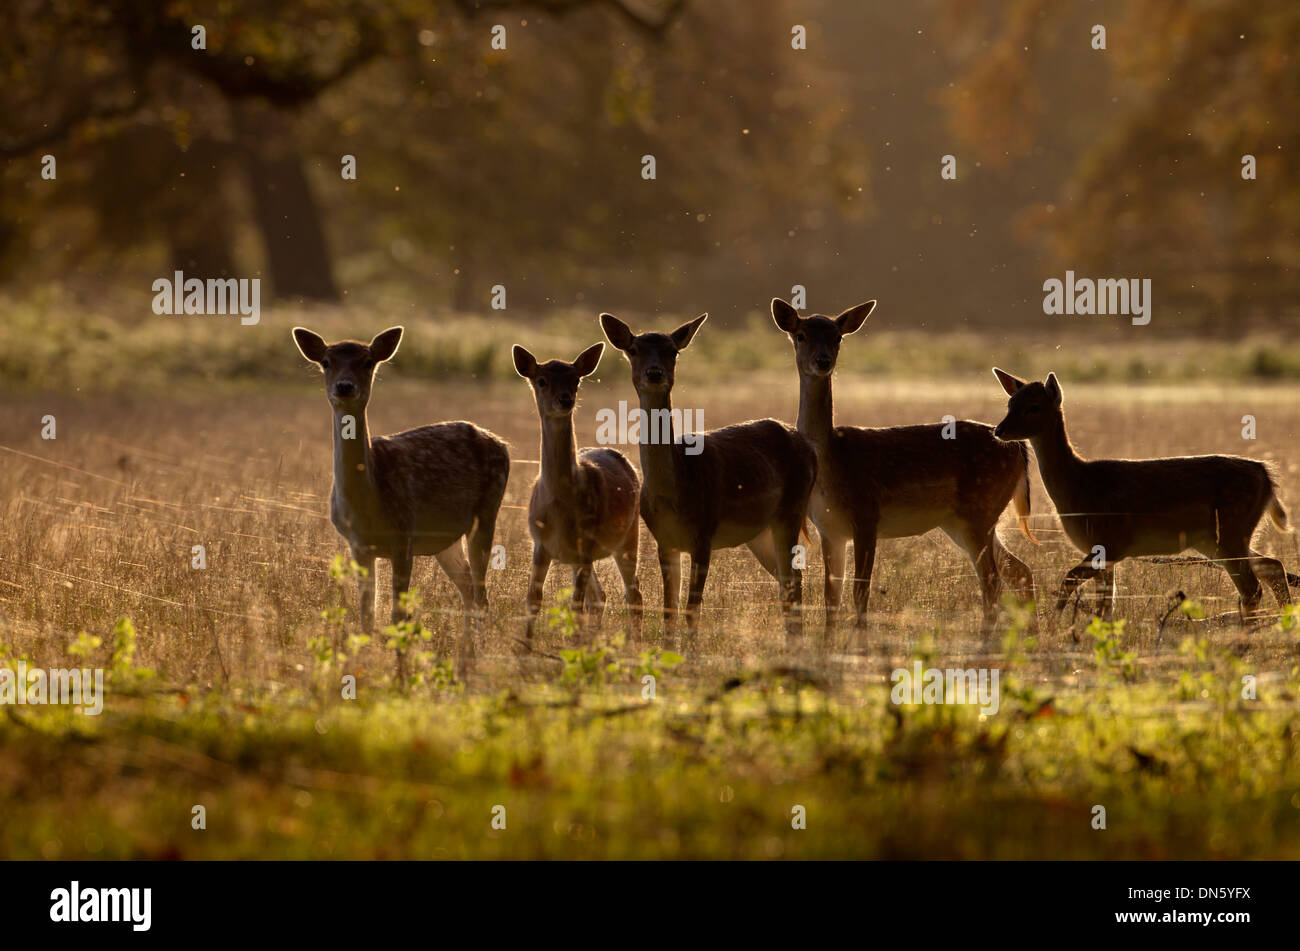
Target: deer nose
(345, 389)
(824, 364)
(566, 401)
(654, 375)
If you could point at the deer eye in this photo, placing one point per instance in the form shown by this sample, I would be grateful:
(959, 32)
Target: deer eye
(369, 364)
(541, 382)
(799, 336)
(325, 363)
(631, 351)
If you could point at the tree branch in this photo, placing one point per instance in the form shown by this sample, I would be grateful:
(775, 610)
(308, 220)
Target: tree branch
(638, 13)
(288, 84)
(60, 129)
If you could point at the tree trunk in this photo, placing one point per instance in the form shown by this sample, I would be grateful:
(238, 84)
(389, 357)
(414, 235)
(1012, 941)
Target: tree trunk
(297, 257)
(199, 234)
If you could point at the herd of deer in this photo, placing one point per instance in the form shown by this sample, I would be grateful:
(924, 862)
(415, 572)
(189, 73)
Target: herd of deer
(421, 491)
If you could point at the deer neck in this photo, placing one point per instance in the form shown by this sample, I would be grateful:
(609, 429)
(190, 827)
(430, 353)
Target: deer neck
(816, 415)
(559, 455)
(354, 470)
(1058, 463)
(658, 461)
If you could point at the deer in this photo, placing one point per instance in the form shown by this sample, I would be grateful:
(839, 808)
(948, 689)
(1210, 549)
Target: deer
(900, 481)
(1120, 508)
(746, 484)
(583, 506)
(417, 492)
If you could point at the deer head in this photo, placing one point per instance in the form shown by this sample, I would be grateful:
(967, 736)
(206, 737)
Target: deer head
(653, 356)
(349, 366)
(816, 338)
(1032, 407)
(555, 383)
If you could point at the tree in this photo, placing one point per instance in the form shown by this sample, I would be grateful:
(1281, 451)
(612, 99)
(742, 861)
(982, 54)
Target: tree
(131, 72)
(1156, 185)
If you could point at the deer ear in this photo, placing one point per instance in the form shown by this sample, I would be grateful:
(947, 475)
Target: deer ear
(683, 334)
(525, 362)
(854, 317)
(310, 345)
(619, 333)
(1053, 388)
(1009, 383)
(588, 359)
(385, 344)
(786, 317)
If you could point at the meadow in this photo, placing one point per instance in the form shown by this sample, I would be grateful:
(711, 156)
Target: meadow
(225, 683)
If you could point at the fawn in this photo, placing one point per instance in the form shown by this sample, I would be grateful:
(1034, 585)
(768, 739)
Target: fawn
(583, 505)
(901, 480)
(412, 493)
(1117, 508)
(747, 484)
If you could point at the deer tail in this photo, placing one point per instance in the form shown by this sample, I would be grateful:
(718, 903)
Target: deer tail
(1021, 496)
(1276, 512)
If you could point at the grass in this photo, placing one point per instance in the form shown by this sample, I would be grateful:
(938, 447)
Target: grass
(1184, 770)
(229, 693)
(121, 346)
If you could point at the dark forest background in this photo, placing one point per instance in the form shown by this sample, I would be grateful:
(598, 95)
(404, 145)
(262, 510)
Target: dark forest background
(775, 166)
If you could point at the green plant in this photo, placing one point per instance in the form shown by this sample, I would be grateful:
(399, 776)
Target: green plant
(654, 662)
(1107, 649)
(560, 618)
(122, 669)
(589, 666)
(85, 645)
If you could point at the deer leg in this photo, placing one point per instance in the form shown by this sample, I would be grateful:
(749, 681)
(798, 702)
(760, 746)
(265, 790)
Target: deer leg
(763, 547)
(1106, 599)
(452, 560)
(978, 544)
(833, 583)
(699, 575)
(536, 579)
(864, 561)
(577, 586)
(768, 552)
(1273, 572)
(479, 543)
(594, 603)
(1237, 562)
(1015, 572)
(670, 570)
(785, 536)
(581, 576)
(402, 563)
(402, 567)
(986, 566)
(625, 558)
(366, 589)
(1080, 573)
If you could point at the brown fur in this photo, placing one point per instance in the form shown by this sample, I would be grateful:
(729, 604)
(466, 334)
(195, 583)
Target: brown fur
(901, 480)
(1134, 507)
(583, 506)
(749, 485)
(413, 493)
